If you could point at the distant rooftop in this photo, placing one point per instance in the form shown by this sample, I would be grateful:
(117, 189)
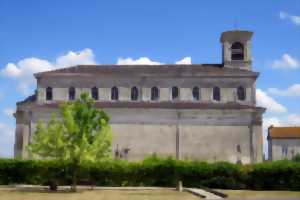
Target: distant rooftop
(284, 132)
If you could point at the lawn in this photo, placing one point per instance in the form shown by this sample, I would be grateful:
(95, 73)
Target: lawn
(250, 194)
(36, 194)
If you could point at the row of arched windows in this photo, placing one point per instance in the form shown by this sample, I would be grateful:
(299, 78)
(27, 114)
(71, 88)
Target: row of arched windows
(155, 93)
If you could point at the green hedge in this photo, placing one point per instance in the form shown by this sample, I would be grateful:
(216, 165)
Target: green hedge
(280, 175)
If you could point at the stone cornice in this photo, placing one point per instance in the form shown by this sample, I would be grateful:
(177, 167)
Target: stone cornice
(155, 105)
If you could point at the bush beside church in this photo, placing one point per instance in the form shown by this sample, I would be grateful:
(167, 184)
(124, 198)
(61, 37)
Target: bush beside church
(279, 175)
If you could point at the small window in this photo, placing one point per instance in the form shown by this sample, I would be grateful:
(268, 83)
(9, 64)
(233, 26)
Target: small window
(241, 93)
(284, 150)
(114, 93)
(134, 94)
(216, 94)
(196, 93)
(237, 51)
(175, 93)
(72, 93)
(95, 93)
(49, 95)
(154, 93)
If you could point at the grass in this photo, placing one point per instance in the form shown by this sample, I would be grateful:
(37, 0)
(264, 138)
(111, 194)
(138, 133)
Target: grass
(250, 194)
(160, 194)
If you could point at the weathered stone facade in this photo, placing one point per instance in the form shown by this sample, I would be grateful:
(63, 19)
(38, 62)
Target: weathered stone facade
(197, 122)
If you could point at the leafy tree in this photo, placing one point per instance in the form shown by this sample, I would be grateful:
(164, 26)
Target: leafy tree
(81, 134)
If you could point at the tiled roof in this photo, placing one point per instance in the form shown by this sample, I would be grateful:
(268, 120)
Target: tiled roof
(284, 132)
(167, 69)
(29, 99)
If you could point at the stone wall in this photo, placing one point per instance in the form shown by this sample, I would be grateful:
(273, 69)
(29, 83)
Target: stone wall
(210, 135)
(228, 88)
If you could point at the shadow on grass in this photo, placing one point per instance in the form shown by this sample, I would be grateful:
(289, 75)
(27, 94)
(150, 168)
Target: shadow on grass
(46, 190)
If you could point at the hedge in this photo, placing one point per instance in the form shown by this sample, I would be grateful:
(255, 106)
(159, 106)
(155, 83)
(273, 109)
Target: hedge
(279, 175)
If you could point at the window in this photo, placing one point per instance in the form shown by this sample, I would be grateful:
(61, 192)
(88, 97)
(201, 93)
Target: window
(241, 93)
(284, 150)
(114, 93)
(237, 51)
(49, 95)
(196, 93)
(134, 94)
(71, 93)
(154, 93)
(175, 93)
(95, 93)
(216, 94)
(238, 148)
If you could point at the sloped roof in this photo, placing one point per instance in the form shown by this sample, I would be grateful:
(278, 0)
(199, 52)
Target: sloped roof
(284, 132)
(170, 69)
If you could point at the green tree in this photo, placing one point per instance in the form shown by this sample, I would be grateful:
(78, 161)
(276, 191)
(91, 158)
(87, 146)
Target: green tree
(81, 134)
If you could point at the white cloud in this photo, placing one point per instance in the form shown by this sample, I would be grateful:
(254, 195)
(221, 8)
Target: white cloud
(184, 61)
(293, 119)
(5, 130)
(282, 15)
(23, 70)
(8, 112)
(268, 102)
(139, 61)
(83, 57)
(293, 18)
(286, 62)
(286, 120)
(291, 91)
(26, 67)
(148, 61)
(7, 144)
(268, 121)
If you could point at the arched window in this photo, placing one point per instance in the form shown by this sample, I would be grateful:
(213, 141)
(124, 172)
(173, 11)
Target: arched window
(49, 95)
(175, 93)
(216, 94)
(134, 94)
(196, 93)
(154, 93)
(95, 93)
(237, 51)
(114, 93)
(241, 93)
(72, 93)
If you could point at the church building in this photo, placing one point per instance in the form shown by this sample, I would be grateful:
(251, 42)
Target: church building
(194, 111)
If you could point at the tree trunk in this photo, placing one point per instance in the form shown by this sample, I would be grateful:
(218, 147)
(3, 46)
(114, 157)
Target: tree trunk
(74, 178)
(53, 185)
(74, 184)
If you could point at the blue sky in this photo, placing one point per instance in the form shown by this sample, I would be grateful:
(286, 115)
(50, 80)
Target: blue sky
(40, 35)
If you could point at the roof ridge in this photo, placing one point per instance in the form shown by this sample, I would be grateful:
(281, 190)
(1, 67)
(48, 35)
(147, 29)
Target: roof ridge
(89, 68)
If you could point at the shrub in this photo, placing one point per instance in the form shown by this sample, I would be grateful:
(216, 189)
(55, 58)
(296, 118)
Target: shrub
(296, 158)
(154, 171)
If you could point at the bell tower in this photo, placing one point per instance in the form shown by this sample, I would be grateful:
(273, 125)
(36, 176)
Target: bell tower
(236, 49)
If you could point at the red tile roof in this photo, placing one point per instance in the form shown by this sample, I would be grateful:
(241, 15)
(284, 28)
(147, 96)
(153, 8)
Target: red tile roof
(283, 132)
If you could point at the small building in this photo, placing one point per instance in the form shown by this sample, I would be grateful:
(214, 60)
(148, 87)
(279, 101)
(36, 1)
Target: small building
(283, 142)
